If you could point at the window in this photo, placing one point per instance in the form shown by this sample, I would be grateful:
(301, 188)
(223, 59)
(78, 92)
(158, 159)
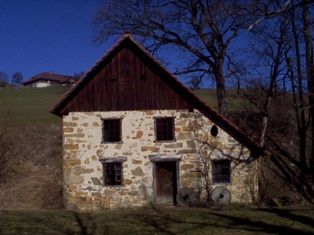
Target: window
(112, 171)
(111, 130)
(164, 129)
(221, 171)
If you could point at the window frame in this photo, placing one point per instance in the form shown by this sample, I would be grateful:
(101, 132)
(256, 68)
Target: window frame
(112, 162)
(173, 139)
(114, 140)
(218, 175)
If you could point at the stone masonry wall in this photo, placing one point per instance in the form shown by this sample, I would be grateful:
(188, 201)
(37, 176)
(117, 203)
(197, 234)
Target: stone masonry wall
(83, 148)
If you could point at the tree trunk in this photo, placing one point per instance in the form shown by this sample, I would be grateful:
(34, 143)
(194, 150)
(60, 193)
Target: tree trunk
(309, 73)
(264, 128)
(220, 89)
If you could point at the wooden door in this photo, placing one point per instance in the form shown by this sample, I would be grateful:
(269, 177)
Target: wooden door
(166, 181)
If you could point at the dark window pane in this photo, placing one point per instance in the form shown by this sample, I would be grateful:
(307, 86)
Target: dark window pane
(111, 130)
(221, 171)
(164, 129)
(112, 173)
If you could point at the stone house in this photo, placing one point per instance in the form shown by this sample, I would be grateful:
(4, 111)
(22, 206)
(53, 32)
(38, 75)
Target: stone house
(133, 134)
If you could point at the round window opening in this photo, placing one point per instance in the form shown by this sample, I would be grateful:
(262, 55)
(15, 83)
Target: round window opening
(214, 131)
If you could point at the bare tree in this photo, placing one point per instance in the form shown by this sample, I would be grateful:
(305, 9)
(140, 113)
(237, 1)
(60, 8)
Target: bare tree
(209, 149)
(283, 48)
(3, 79)
(268, 9)
(78, 75)
(201, 30)
(17, 78)
(205, 150)
(272, 42)
(309, 72)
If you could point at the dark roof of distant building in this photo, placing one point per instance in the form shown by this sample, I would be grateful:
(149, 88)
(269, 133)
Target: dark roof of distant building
(53, 77)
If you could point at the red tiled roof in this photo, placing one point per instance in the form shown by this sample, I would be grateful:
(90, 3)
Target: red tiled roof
(198, 104)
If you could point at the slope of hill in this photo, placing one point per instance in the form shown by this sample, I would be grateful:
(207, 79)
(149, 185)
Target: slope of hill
(30, 149)
(29, 105)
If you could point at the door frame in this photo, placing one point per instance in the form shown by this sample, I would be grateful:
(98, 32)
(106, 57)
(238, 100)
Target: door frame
(165, 158)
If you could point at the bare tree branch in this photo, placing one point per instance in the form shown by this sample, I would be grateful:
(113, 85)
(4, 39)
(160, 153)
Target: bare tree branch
(201, 29)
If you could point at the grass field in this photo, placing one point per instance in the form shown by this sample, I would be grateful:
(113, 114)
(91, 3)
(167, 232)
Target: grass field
(32, 105)
(24, 104)
(229, 220)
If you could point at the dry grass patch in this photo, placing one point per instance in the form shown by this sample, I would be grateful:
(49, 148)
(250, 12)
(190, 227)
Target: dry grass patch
(31, 167)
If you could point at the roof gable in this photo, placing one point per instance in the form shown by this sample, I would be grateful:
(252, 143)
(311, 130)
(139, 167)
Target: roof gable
(128, 77)
(125, 79)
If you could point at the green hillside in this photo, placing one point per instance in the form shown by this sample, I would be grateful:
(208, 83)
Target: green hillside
(235, 102)
(32, 105)
(29, 105)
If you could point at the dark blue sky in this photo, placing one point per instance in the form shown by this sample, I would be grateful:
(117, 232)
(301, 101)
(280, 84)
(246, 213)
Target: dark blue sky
(53, 36)
(48, 36)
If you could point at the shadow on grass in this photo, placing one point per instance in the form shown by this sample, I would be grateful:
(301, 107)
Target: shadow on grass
(212, 221)
(177, 221)
(36, 222)
(82, 226)
(159, 220)
(286, 213)
(250, 225)
(72, 223)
